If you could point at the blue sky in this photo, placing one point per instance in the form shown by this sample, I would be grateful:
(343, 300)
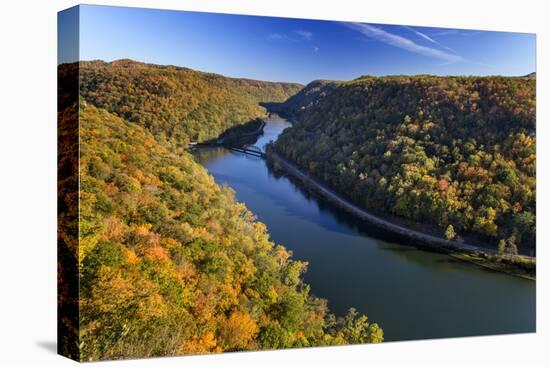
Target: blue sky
(297, 50)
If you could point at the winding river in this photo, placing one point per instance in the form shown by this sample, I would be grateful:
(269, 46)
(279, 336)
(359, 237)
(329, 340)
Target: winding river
(410, 293)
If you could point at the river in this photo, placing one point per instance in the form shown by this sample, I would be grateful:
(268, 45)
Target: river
(410, 293)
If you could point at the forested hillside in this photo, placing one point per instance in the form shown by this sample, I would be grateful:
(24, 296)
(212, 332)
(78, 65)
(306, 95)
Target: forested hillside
(176, 102)
(169, 262)
(455, 152)
(298, 104)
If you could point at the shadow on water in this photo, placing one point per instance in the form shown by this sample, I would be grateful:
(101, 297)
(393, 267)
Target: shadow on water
(449, 260)
(398, 248)
(344, 220)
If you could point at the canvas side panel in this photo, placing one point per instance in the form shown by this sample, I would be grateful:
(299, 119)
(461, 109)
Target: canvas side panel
(68, 184)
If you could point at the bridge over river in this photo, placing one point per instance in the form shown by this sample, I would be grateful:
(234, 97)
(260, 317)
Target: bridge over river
(251, 150)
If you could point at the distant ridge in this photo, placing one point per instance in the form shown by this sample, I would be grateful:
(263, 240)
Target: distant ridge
(306, 98)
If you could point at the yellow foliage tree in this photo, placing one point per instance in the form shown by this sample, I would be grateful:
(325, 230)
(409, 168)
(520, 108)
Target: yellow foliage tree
(238, 331)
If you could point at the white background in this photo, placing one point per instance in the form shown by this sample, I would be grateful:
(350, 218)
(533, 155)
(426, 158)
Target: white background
(28, 181)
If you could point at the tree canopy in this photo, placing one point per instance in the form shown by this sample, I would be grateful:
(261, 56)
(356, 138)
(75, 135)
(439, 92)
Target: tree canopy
(447, 151)
(169, 262)
(176, 102)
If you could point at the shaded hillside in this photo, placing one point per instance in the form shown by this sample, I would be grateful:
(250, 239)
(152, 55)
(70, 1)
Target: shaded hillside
(304, 100)
(455, 152)
(174, 102)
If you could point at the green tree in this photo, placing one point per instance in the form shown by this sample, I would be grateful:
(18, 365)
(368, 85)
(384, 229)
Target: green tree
(357, 330)
(450, 232)
(502, 247)
(511, 246)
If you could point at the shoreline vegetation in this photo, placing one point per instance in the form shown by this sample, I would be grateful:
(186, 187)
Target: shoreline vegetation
(236, 136)
(519, 265)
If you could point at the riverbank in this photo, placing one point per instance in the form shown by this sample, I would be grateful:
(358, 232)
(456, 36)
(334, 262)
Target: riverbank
(235, 137)
(522, 266)
(241, 135)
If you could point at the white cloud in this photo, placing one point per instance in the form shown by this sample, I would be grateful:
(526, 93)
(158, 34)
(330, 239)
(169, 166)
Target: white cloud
(295, 36)
(427, 38)
(275, 36)
(308, 36)
(402, 42)
(446, 32)
(454, 32)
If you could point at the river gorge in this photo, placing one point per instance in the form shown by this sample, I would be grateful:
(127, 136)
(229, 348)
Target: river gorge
(410, 293)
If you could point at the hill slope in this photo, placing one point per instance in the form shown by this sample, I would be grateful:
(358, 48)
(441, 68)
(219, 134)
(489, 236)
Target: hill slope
(168, 262)
(446, 151)
(298, 104)
(176, 102)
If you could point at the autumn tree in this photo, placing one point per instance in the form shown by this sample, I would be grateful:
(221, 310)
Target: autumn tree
(237, 332)
(450, 232)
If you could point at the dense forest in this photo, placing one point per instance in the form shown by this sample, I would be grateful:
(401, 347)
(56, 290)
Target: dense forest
(455, 152)
(298, 104)
(169, 262)
(176, 103)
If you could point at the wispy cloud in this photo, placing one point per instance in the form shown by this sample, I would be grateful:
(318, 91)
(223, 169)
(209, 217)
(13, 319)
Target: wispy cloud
(295, 36)
(427, 38)
(275, 36)
(402, 42)
(446, 32)
(306, 35)
(454, 32)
